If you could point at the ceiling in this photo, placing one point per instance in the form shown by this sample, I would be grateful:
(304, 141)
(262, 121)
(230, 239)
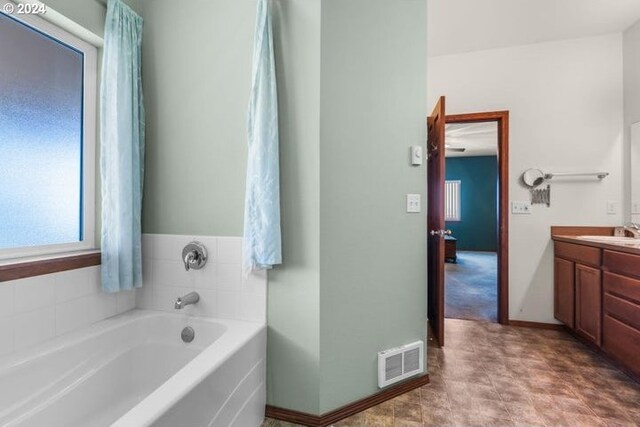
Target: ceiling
(478, 139)
(457, 26)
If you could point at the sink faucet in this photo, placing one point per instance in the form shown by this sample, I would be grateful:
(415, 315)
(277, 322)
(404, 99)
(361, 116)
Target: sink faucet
(633, 228)
(188, 299)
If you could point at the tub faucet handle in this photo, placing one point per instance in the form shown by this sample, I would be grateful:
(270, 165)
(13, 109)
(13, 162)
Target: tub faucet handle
(194, 256)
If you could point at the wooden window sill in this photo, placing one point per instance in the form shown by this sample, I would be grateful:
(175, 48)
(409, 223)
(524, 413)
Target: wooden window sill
(22, 268)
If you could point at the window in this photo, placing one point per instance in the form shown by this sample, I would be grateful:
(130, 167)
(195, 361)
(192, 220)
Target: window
(452, 200)
(47, 138)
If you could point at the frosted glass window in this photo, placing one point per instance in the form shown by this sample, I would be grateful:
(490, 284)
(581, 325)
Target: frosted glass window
(41, 138)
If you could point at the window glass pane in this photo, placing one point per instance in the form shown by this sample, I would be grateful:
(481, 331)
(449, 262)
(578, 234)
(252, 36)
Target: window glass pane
(41, 89)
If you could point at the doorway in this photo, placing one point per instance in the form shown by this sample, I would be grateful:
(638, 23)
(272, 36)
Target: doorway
(436, 163)
(471, 216)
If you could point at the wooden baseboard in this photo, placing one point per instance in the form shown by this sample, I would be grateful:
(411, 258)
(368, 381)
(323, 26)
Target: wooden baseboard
(536, 325)
(347, 410)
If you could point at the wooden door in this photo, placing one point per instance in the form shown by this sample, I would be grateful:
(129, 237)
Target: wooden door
(589, 303)
(435, 219)
(564, 291)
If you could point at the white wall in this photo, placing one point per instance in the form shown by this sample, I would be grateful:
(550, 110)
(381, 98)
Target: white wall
(631, 43)
(565, 103)
(43, 307)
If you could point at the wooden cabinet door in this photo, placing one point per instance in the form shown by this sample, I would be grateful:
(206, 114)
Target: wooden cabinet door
(588, 281)
(564, 291)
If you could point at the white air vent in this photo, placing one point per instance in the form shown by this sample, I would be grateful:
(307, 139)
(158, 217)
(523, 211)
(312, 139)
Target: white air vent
(399, 363)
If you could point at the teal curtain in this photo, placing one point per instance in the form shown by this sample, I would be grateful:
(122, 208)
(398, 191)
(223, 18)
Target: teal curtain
(122, 149)
(262, 245)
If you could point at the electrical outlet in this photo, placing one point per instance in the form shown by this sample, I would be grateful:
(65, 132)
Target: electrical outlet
(413, 203)
(521, 208)
(612, 207)
(635, 207)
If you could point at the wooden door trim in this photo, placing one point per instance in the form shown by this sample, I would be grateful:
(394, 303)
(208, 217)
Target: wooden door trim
(502, 119)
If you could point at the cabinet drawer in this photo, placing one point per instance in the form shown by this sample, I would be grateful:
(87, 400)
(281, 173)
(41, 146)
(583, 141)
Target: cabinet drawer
(578, 253)
(622, 342)
(621, 286)
(619, 262)
(623, 310)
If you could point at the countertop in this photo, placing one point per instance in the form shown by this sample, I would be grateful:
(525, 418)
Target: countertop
(569, 235)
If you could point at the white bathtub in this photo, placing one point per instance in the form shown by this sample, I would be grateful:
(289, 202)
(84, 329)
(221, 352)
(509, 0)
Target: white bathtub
(134, 370)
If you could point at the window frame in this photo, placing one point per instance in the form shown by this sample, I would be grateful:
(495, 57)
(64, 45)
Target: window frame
(89, 141)
(457, 202)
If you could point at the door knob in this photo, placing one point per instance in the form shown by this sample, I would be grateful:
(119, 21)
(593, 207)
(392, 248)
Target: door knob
(440, 233)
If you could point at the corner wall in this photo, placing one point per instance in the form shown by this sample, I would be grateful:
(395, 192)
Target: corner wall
(565, 103)
(373, 254)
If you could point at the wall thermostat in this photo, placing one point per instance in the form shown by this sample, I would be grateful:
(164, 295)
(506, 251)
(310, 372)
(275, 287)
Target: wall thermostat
(416, 155)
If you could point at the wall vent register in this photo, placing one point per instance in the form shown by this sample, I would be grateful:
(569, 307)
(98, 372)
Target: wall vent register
(399, 363)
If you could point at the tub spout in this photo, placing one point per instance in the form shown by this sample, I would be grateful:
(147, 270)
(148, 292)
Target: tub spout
(188, 299)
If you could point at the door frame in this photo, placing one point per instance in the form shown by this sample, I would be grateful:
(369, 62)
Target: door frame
(502, 119)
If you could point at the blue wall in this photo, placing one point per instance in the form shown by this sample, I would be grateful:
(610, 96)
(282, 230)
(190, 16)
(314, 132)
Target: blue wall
(477, 230)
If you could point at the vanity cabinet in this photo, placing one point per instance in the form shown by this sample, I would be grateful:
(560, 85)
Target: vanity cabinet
(588, 300)
(578, 289)
(597, 296)
(564, 294)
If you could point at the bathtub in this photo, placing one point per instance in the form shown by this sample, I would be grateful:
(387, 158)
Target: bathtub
(134, 370)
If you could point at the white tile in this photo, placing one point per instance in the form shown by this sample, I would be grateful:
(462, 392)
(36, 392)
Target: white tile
(211, 245)
(147, 246)
(169, 247)
(228, 305)
(171, 273)
(126, 300)
(77, 283)
(103, 306)
(207, 306)
(33, 293)
(255, 283)
(229, 250)
(147, 272)
(144, 297)
(7, 290)
(74, 314)
(34, 327)
(205, 278)
(7, 325)
(229, 277)
(253, 307)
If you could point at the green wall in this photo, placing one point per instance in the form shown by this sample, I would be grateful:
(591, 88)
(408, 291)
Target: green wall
(372, 253)
(478, 228)
(352, 100)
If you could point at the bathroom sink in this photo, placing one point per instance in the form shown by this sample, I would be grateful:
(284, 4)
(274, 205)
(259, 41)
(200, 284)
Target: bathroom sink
(611, 239)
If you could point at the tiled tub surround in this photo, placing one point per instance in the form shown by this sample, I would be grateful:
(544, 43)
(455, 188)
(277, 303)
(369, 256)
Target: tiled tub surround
(43, 307)
(224, 291)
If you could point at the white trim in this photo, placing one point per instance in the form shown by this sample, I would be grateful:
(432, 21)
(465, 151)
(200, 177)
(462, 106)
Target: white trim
(90, 87)
(61, 21)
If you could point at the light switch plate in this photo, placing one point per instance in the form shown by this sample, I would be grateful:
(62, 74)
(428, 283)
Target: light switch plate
(521, 208)
(413, 203)
(416, 155)
(612, 207)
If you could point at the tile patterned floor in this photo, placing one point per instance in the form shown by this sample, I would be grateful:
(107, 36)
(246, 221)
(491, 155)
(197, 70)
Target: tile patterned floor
(492, 375)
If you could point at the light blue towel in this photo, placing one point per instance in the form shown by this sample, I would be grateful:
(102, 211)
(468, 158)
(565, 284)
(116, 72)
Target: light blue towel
(122, 149)
(262, 244)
